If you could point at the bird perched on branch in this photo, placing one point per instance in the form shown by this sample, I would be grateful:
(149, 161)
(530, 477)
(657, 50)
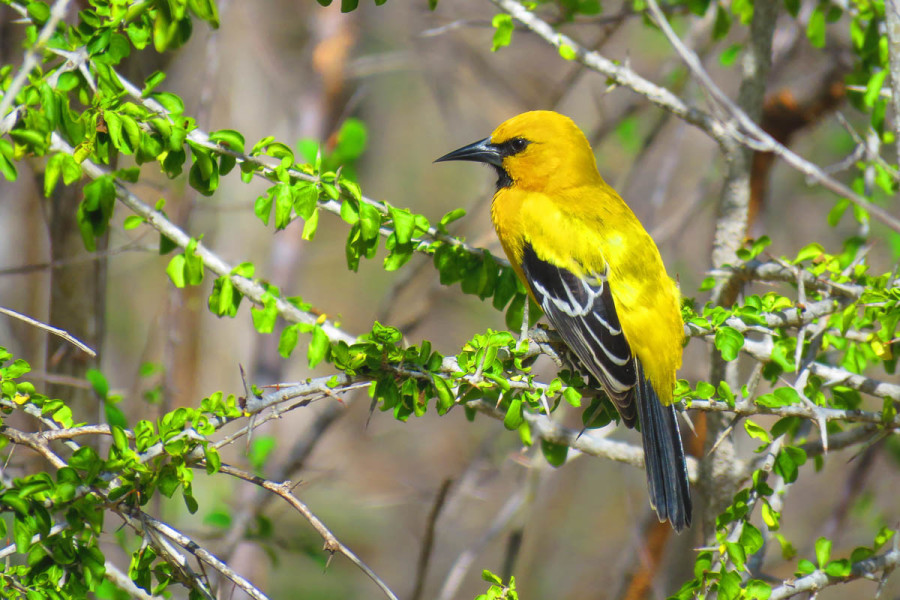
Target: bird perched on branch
(598, 276)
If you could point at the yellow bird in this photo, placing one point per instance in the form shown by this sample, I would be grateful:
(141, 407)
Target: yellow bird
(598, 276)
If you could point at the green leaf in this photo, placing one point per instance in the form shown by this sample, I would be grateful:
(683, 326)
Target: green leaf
(404, 224)
(729, 341)
(729, 586)
(120, 441)
(305, 198)
(172, 103)
(351, 141)
(114, 415)
(786, 396)
(264, 317)
(788, 463)
(38, 12)
(751, 539)
(288, 340)
(229, 138)
(555, 454)
(755, 431)
(566, 52)
(884, 534)
(6, 161)
(823, 551)
(809, 252)
(503, 29)
(318, 347)
(730, 54)
(572, 396)
(213, 460)
(704, 390)
(310, 226)
(770, 516)
(757, 590)
(514, 417)
(284, 203)
(98, 382)
(839, 568)
(369, 220)
(722, 23)
(444, 392)
(737, 555)
(815, 29)
(873, 88)
(451, 216)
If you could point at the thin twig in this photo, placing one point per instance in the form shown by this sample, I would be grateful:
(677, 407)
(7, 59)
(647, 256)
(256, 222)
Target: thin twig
(332, 544)
(428, 541)
(54, 330)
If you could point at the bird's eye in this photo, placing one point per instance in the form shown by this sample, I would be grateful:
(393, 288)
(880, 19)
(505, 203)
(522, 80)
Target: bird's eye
(516, 145)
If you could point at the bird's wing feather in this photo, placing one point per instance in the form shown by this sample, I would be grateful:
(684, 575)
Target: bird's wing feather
(582, 310)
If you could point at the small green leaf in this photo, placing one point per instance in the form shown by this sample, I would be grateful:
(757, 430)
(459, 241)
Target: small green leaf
(288, 340)
(567, 52)
(755, 431)
(555, 454)
(815, 29)
(736, 554)
(730, 54)
(839, 568)
(514, 417)
(729, 341)
(805, 567)
(757, 590)
(823, 551)
(751, 539)
(175, 270)
(444, 392)
(318, 347)
(310, 226)
(98, 382)
(503, 29)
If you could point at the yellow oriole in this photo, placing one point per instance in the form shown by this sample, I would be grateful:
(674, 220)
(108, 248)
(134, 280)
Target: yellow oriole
(598, 276)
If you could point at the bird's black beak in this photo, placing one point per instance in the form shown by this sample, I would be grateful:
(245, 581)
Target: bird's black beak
(483, 151)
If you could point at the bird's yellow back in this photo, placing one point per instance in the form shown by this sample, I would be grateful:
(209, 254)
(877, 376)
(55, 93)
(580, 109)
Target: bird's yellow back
(560, 205)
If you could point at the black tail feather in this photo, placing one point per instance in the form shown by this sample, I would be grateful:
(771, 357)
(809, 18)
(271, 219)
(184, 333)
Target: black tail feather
(667, 477)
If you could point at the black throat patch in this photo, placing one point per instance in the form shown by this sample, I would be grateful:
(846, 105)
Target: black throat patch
(510, 147)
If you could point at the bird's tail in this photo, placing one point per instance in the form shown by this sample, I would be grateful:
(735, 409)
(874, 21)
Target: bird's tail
(667, 477)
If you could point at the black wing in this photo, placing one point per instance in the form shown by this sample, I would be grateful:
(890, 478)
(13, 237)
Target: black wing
(584, 314)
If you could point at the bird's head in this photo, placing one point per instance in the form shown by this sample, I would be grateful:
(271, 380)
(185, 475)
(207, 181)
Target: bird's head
(538, 150)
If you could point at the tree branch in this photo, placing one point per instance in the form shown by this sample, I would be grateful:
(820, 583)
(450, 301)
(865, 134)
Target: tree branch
(332, 544)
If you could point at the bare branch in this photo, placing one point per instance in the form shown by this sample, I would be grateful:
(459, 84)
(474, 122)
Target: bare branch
(54, 330)
(332, 544)
(428, 541)
(201, 553)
